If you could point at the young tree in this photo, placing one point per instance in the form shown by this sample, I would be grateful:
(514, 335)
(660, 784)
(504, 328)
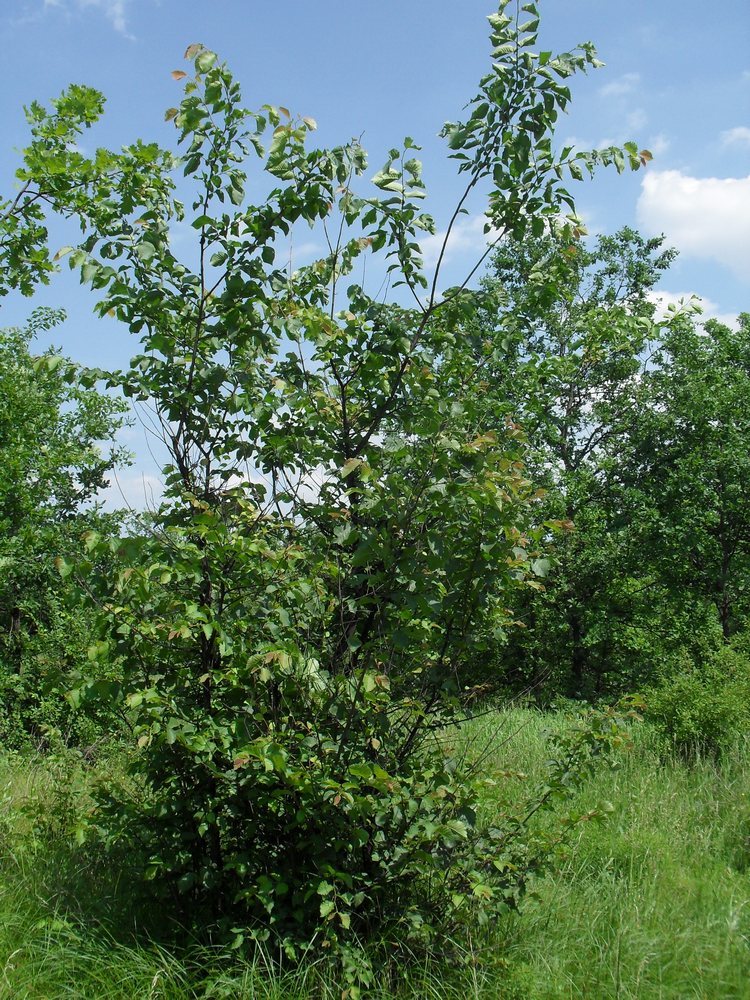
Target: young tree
(296, 631)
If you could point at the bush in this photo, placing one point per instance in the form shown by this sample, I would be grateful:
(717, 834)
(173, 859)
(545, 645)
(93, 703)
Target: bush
(704, 706)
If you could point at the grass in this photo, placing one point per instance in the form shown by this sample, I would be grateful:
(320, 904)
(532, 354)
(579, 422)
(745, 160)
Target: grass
(653, 904)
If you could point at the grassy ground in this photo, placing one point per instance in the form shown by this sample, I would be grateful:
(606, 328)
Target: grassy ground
(654, 904)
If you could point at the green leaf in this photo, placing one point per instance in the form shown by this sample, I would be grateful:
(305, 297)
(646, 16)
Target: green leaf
(63, 567)
(205, 60)
(349, 466)
(541, 567)
(145, 251)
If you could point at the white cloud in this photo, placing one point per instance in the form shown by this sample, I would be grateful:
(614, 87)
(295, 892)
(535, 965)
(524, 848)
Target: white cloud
(739, 136)
(467, 238)
(113, 10)
(625, 84)
(701, 216)
(134, 489)
(574, 140)
(637, 119)
(296, 254)
(309, 249)
(662, 299)
(658, 145)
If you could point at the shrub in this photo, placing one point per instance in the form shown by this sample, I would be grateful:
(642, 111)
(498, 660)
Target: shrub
(705, 706)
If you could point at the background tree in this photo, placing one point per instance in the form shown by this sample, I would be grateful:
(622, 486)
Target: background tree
(692, 467)
(57, 453)
(571, 329)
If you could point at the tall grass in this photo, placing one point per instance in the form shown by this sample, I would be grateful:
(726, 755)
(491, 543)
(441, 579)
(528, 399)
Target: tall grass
(653, 904)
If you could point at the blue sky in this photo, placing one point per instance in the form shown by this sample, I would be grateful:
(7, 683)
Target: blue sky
(677, 80)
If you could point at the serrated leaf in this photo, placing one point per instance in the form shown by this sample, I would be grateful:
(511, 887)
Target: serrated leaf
(178, 74)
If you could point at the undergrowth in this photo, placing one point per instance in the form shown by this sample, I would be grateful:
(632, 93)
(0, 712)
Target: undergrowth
(653, 903)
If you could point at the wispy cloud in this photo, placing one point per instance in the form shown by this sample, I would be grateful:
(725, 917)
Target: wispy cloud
(115, 11)
(706, 217)
(659, 144)
(134, 488)
(637, 119)
(467, 238)
(624, 84)
(632, 122)
(739, 136)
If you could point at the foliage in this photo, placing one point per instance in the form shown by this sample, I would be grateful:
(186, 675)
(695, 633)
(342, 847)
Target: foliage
(54, 435)
(297, 629)
(571, 335)
(647, 905)
(704, 706)
(640, 453)
(55, 172)
(690, 461)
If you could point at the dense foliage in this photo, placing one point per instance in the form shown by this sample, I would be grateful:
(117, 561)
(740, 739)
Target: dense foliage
(637, 433)
(53, 465)
(342, 514)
